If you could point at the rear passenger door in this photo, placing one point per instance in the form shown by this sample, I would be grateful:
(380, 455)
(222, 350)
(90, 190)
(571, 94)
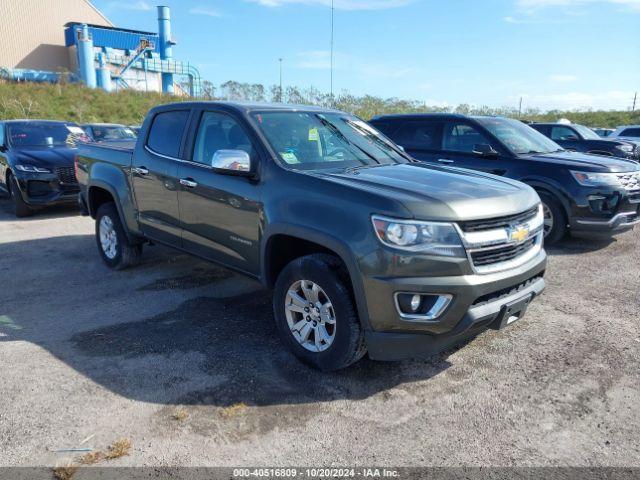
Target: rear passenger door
(154, 176)
(421, 139)
(220, 213)
(459, 143)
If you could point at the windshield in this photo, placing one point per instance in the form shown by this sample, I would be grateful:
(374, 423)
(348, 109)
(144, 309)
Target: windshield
(43, 134)
(518, 137)
(112, 132)
(586, 132)
(311, 141)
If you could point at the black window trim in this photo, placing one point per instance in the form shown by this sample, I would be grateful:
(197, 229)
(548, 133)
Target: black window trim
(490, 138)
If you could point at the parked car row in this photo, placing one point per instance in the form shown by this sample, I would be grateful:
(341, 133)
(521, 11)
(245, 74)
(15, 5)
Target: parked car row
(398, 238)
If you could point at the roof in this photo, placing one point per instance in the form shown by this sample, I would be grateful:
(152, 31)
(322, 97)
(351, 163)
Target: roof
(98, 124)
(246, 107)
(419, 115)
(34, 120)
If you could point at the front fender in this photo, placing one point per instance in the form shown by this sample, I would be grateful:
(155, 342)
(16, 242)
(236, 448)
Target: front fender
(552, 187)
(335, 244)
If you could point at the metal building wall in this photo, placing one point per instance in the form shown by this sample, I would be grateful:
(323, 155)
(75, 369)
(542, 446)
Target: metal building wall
(32, 31)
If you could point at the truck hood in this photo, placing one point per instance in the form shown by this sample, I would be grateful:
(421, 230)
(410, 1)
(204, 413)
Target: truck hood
(45, 156)
(442, 193)
(586, 162)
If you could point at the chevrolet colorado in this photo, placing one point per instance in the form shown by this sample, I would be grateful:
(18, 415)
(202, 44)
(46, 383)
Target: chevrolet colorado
(367, 251)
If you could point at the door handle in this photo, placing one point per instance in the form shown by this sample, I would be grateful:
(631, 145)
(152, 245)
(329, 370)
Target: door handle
(140, 170)
(445, 160)
(187, 182)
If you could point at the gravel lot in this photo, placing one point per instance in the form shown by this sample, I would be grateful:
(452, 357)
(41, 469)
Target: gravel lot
(182, 358)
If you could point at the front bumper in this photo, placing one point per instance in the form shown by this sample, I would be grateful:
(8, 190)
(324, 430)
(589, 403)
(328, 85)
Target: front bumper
(477, 304)
(605, 210)
(45, 189)
(402, 346)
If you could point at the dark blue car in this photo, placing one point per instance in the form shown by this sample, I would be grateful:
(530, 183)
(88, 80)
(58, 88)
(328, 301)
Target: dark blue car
(37, 163)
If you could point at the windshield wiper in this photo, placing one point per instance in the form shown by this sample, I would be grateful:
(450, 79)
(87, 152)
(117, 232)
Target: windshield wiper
(344, 138)
(379, 140)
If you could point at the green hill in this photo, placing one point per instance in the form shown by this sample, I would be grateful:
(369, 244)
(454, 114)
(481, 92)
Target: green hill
(77, 103)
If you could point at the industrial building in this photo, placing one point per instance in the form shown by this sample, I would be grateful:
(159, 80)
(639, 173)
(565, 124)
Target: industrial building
(44, 40)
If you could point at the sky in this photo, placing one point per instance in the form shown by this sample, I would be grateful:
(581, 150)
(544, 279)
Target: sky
(564, 54)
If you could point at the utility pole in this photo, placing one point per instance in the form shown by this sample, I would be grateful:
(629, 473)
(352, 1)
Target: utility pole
(520, 109)
(331, 74)
(280, 89)
(635, 97)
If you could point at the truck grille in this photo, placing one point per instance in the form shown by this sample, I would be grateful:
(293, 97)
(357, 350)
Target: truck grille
(501, 254)
(500, 222)
(501, 243)
(66, 175)
(630, 181)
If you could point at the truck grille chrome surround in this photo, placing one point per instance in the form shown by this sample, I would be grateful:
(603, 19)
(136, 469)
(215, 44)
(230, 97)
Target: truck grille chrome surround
(517, 240)
(630, 181)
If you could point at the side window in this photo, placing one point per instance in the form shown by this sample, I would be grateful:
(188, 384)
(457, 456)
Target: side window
(630, 132)
(459, 137)
(563, 133)
(218, 131)
(166, 132)
(418, 135)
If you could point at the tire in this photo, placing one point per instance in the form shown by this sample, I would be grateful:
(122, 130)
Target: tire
(346, 345)
(21, 208)
(553, 208)
(114, 247)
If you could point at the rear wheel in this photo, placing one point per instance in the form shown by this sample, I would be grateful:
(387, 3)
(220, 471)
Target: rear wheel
(315, 313)
(21, 208)
(555, 222)
(114, 246)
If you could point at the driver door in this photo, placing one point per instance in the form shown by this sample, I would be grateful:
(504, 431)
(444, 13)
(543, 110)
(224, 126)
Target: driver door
(459, 140)
(220, 213)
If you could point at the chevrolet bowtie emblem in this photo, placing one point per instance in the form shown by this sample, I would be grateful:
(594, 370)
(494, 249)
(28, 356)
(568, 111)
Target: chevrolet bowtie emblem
(519, 233)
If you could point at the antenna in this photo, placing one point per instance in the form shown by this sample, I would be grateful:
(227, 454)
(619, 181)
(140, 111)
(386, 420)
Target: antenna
(331, 74)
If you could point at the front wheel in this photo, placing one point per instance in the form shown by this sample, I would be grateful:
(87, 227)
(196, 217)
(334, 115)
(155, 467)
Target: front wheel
(20, 207)
(315, 313)
(114, 246)
(555, 223)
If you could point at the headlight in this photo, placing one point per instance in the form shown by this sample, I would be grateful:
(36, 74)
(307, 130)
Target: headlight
(32, 169)
(626, 148)
(432, 238)
(590, 179)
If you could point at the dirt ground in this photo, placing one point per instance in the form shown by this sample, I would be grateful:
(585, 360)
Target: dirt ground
(181, 358)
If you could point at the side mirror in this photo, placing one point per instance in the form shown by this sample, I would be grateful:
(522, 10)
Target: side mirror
(232, 162)
(485, 150)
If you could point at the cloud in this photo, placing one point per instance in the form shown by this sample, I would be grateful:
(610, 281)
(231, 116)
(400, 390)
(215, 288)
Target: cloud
(140, 5)
(531, 6)
(562, 78)
(339, 4)
(209, 12)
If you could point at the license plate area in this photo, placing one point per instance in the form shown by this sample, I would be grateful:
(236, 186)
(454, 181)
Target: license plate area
(512, 312)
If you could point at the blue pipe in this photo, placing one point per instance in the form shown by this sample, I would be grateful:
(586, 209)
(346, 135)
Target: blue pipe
(86, 67)
(103, 74)
(165, 44)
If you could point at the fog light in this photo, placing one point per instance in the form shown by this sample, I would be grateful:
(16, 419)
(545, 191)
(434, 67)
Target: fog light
(422, 306)
(415, 303)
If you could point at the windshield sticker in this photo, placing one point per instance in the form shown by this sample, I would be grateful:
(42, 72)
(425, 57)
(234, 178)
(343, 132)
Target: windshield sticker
(289, 157)
(313, 135)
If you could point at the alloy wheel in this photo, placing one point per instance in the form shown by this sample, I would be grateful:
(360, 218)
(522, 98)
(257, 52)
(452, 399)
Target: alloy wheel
(108, 238)
(548, 219)
(310, 316)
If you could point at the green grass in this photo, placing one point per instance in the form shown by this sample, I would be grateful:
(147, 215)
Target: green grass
(76, 103)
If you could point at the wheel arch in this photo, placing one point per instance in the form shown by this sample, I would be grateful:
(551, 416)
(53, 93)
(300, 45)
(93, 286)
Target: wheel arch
(285, 243)
(542, 186)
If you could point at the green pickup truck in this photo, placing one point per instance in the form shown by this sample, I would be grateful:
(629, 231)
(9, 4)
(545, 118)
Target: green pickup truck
(366, 250)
